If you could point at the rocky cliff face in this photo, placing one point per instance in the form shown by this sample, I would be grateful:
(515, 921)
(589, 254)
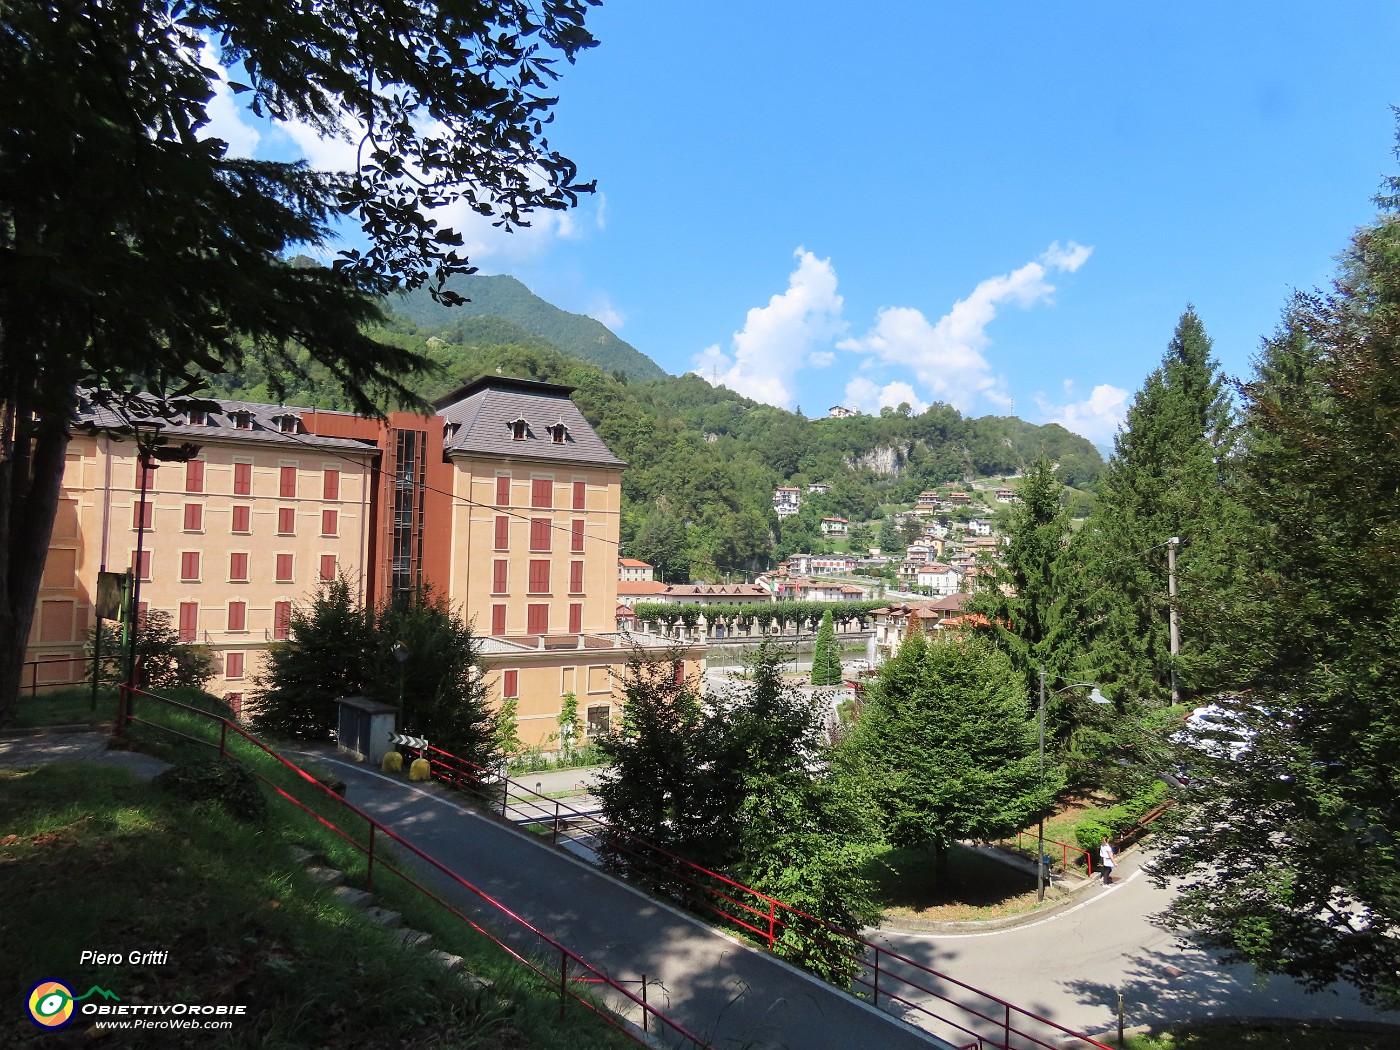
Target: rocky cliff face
(886, 460)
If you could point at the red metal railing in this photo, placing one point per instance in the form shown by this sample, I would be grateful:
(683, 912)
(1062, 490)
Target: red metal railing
(31, 671)
(876, 973)
(1065, 850)
(572, 970)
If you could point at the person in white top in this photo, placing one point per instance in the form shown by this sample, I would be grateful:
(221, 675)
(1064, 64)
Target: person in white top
(1106, 860)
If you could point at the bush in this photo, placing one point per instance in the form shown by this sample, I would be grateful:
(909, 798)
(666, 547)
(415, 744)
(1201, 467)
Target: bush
(1113, 822)
(217, 780)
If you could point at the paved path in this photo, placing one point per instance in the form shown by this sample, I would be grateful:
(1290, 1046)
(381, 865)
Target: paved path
(729, 994)
(37, 749)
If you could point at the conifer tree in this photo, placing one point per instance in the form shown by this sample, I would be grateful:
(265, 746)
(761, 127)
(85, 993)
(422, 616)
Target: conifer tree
(1166, 479)
(826, 658)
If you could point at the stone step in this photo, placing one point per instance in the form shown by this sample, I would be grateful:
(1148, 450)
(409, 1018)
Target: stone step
(412, 938)
(475, 982)
(384, 917)
(449, 962)
(353, 897)
(302, 856)
(326, 876)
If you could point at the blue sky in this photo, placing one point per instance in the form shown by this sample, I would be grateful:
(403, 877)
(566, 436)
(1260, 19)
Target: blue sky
(1002, 206)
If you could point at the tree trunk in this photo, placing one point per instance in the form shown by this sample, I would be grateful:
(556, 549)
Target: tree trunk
(31, 477)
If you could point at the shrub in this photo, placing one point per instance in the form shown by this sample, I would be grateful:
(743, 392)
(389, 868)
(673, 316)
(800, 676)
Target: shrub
(1113, 822)
(217, 780)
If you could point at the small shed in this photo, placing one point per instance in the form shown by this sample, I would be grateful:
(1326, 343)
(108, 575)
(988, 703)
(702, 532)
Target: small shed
(365, 728)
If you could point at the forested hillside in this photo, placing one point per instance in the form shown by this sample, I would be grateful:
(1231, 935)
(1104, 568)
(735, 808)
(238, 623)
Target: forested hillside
(703, 461)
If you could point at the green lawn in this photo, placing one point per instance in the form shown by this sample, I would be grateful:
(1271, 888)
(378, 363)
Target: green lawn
(977, 887)
(65, 707)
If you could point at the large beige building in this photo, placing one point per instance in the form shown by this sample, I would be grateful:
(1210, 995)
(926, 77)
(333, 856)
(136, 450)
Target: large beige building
(506, 501)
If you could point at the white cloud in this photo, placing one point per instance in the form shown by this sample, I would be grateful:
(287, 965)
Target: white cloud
(1098, 417)
(948, 357)
(227, 119)
(821, 358)
(777, 339)
(870, 397)
(607, 314)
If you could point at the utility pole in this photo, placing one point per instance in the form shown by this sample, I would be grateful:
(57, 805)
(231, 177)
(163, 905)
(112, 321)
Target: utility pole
(1172, 613)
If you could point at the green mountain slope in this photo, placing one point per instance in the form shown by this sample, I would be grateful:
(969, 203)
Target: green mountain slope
(575, 334)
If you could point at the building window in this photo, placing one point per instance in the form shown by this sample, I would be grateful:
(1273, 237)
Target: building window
(287, 424)
(238, 567)
(237, 616)
(542, 493)
(141, 517)
(281, 621)
(198, 418)
(498, 619)
(499, 577)
(327, 567)
(286, 521)
(558, 433)
(235, 704)
(330, 523)
(540, 528)
(233, 665)
(502, 533)
(284, 568)
(519, 429)
(142, 564)
(194, 476)
(503, 490)
(330, 485)
(539, 576)
(575, 617)
(194, 517)
(599, 721)
(537, 619)
(189, 566)
(287, 482)
(575, 577)
(576, 535)
(189, 621)
(510, 684)
(580, 494)
(242, 519)
(243, 479)
(243, 420)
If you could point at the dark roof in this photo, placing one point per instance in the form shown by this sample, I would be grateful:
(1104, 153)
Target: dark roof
(480, 422)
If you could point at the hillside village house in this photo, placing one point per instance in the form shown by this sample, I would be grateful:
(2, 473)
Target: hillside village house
(631, 570)
(505, 501)
(891, 624)
(818, 488)
(787, 501)
(1006, 496)
(835, 526)
(942, 580)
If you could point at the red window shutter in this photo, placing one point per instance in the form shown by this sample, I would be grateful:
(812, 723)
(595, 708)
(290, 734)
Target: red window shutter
(189, 621)
(498, 619)
(194, 517)
(576, 535)
(233, 665)
(141, 515)
(284, 568)
(510, 684)
(282, 621)
(235, 703)
(243, 479)
(330, 523)
(238, 567)
(580, 493)
(542, 493)
(194, 476)
(237, 616)
(539, 576)
(142, 565)
(286, 521)
(575, 617)
(330, 485)
(503, 490)
(242, 517)
(327, 567)
(288, 486)
(540, 528)
(189, 565)
(502, 532)
(499, 577)
(537, 619)
(575, 577)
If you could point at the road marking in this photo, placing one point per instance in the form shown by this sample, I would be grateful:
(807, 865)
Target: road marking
(1012, 929)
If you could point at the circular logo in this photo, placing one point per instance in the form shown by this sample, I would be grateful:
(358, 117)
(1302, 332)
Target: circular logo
(50, 1004)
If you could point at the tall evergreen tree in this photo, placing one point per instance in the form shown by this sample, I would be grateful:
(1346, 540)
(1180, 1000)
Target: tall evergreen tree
(1289, 854)
(826, 657)
(1166, 479)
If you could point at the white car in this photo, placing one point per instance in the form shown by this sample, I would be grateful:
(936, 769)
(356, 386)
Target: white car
(1216, 731)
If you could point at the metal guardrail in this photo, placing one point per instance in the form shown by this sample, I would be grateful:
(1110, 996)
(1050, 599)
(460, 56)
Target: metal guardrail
(31, 671)
(573, 970)
(876, 973)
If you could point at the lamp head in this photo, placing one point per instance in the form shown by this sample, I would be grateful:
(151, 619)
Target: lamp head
(1096, 697)
(400, 651)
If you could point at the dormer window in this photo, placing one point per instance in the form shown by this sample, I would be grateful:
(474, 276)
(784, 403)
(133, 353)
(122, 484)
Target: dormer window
(243, 420)
(198, 418)
(558, 432)
(287, 424)
(519, 429)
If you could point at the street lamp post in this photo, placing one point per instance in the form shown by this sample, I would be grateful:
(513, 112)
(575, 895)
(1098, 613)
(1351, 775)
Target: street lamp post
(145, 432)
(1096, 697)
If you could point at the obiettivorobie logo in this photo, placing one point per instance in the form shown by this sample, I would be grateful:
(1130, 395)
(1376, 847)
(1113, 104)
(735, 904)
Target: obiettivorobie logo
(51, 1002)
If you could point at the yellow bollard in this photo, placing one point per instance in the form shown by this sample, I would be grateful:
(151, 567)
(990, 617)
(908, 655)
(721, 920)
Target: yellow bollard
(392, 763)
(420, 769)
